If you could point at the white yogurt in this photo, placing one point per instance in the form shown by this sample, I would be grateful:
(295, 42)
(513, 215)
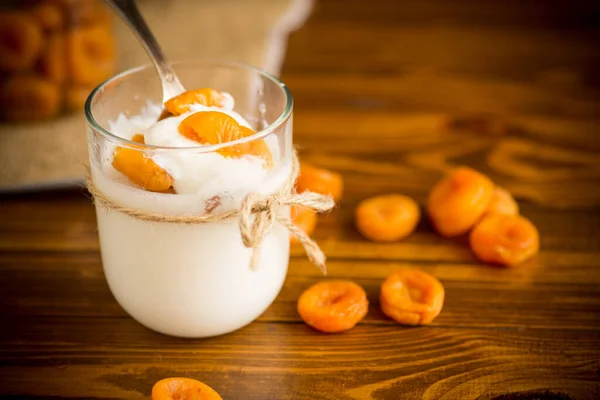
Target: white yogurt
(189, 280)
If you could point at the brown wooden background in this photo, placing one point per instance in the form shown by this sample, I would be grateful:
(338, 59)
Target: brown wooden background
(391, 93)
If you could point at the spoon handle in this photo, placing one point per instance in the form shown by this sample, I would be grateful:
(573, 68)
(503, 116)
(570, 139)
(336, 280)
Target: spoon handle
(128, 11)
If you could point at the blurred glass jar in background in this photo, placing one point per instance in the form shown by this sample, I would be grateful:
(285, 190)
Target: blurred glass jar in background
(52, 54)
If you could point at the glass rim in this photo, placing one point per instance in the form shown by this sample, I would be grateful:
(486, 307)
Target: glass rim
(261, 134)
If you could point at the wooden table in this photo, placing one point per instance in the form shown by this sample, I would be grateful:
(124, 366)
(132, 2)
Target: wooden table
(391, 94)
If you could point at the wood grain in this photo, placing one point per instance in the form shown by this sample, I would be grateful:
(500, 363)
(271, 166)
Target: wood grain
(391, 94)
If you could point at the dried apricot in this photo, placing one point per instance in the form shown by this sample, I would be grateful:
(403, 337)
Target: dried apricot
(504, 239)
(90, 54)
(87, 12)
(458, 201)
(320, 180)
(206, 96)
(411, 297)
(53, 61)
(49, 15)
(29, 97)
(215, 127)
(304, 218)
(76, 96)
(21, 40)
(138, 138)
(141, 170)
(502, 203)
(183, 389)
(387, 218)
(333, 306)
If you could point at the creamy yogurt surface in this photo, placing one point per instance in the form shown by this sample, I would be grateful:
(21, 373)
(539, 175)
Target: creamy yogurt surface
(196, 172)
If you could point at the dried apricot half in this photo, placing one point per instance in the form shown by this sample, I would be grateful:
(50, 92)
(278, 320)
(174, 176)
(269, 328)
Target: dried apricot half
(504, 239)
(86, 12)
(21, 40)
(29, 97)
(333, 306)
(458, 201)
(49, 15)
(304, 218)
(215, 127)
(90, 54)
(53, 61)
(320, 180)
(502, 203)
(183, 389)
(411, 297)
(138, 138)
(75, 96)
(141, 170)
(206, 96)
(387, 218)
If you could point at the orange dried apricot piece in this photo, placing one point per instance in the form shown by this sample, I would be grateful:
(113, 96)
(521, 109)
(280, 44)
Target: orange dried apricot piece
(138, 138)
(256, 148)
(53, 61)
(504, 239)
(49, 15)
(76, 96)
(206, 96)
(411, 297)
(333, 306)
(304, 218)
(502, 203)
(387, 218)
(320, 180)
(29, 97)
(458, 201)
(21, 40)
(215, 127)
(87, 12)
(183, 389)
(141, 170)
(90, 54)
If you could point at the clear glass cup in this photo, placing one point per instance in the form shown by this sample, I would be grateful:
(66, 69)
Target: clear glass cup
(190, 280)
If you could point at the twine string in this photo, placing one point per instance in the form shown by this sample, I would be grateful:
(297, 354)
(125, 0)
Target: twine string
(256, 216)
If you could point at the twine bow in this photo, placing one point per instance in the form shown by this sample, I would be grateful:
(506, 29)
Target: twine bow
(257, 214)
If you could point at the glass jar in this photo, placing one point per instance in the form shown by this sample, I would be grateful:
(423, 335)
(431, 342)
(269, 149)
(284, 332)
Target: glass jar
(52, 54)
(178, 278)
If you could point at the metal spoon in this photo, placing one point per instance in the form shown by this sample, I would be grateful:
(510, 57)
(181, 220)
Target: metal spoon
(171, 86)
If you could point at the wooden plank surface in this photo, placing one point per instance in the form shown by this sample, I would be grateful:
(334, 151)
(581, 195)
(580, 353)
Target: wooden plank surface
(391, 94)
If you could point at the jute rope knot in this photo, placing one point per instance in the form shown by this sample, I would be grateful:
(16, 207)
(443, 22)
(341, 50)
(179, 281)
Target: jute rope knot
(257, 215)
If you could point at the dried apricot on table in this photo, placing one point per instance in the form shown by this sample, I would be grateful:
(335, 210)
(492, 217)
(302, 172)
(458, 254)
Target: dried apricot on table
(29, 97)
(21, 40)
(504, 239)
(53, 61)
(458, 201)
(141, 170)
(86, 12)
(320, 180)
(502, 203)
(90, 54)
(333, 306)
(75, 96)
(214, 127)
(387, 218)
(304, 218)
(183, 389)
(206, 96)
(49, 15)
(411, 297)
